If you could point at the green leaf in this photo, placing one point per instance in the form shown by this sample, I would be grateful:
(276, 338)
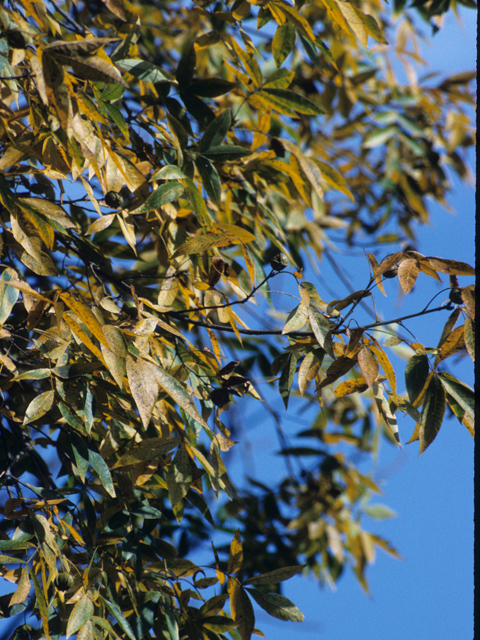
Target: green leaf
(433, 411)
(280, 79)
(168, 172)
(276, 576)
(15, 545)
(311, 52)
(286, 378)
(164, 194)
(197, 108)
(143, 70)
(461, 393)
(226, 152)
(211, 87)
(148, 449)
(8, 295)
(196, 202)
(172, 623)
(210, 179)
(283, 43)
(119, 617)
(81, 613)
(143, 385)
(178, 392)
(39, 406)
(41, 604)
(321, 329)
(416, 373)
(296, 319)
(379, 512)
(186, 66)
(216, 131)
(284, 99)
(276, 605)
(102, 470)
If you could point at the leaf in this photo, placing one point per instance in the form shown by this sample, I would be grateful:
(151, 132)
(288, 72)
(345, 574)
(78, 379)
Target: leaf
(286, 378)
(209, 240)
(368, 365)
(8, 294)
(321, 329)
(309, 368)
(211, 87)
(470, 338)
(210, 179)
(178, 392)
(23, 589)
(186, 66)
(285, 101)
(216, 131)
(249, 63)
(433, 410)
(379, 512)
(168, 172)
(279, 79)
(276, 576)
(42, 605)
(355, 21)
(226, 153)
(461, 393)
(143, 381)
(296, 319)
(351, 386)
(334, 178)
(86, 315)
(119, 617)
(143, 70)
(450, 323)
(454, 342)
(102, 470)
(337, 369)
(283, 43)
(468, 297)
(148, 449)
(81, 613)
(196, 201)
(452, 267)
(408, 271)
(163, 195)
(39, 406)
(242, 610)
(416, 373)
(115, 355)
(384, 410)
(276, 605)
(235, 558)
(96, 69)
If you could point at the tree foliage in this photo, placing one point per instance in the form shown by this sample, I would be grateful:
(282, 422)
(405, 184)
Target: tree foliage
(164, 165)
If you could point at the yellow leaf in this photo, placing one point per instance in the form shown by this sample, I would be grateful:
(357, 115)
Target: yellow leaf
(249, 63)
(335, 179)
(82, 336)
(86, 315)
(23, 588)
(351, 386)
(355, 20)
(235, 558)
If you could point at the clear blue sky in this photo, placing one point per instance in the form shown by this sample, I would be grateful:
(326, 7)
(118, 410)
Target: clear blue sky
(428, 595)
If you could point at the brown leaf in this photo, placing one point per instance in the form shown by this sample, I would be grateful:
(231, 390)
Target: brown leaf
(96, 69)
(387, 263)
(354, 345)
(337, 369)
(375, 266)
(454, 342)
(468, 297)
(368, 365)
(408, 271)
(451, 267)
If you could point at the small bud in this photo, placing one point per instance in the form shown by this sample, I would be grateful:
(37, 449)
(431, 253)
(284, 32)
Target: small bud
(391, 273)
(455, 295)
(279, 262)
(17, 40)
(64, 581)
(114, 200)
(220, 397)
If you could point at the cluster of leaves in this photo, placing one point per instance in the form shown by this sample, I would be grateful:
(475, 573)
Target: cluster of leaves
(155, 159)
